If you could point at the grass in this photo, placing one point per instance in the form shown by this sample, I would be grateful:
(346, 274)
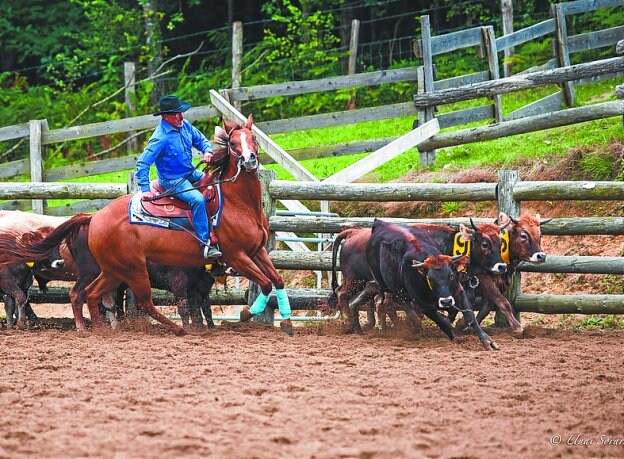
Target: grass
(501, 153)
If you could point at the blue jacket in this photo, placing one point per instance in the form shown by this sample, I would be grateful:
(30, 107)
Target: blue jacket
(171, 151)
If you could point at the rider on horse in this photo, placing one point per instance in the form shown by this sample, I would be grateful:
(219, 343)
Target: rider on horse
(169, 148)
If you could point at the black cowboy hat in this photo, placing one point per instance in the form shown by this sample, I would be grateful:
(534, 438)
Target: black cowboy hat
(171, 104)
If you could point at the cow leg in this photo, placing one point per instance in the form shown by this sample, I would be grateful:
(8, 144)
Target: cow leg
(380, 306)
(207, 310)
(495, 296)
(77, 299)
(487, 342)
(370, 315)
(110, 308)
(440, 321)
(30, 314)
(9, 309)
(412, 311)
(185, 313)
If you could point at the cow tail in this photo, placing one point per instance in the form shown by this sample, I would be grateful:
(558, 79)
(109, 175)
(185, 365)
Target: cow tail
(333, 296)
(32, 246)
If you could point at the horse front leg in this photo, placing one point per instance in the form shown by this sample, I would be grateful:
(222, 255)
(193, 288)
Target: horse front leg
(247, 266)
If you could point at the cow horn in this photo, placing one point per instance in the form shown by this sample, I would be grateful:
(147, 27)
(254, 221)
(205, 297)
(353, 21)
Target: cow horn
(506, 224)
(456, 257)
(543, 222)
(417, 264)
(513, 220)
(472, 223)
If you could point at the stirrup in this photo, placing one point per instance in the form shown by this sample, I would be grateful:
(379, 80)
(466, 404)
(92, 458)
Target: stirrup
(211, 253)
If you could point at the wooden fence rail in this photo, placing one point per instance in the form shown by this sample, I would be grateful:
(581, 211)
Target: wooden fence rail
(303, 299)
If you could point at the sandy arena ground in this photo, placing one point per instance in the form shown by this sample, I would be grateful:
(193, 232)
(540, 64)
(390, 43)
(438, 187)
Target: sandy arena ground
(248, 390)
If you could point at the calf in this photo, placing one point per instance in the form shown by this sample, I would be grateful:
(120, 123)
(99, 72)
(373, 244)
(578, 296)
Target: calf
(409, 263)
(523, 243)
(15, 281)
(356, 277)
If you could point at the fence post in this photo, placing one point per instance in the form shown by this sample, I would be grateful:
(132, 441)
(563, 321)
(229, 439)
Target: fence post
(237, 57)
(489, 41)
(269, 206)
(508, 28)
(506, 203)
(563, 52)
(130, 79)
(352, 64)
(425, 84)
(36, 163)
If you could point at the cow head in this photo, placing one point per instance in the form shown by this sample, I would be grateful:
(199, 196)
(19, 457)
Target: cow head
(486, 246)
(442, 275)
(525, 238)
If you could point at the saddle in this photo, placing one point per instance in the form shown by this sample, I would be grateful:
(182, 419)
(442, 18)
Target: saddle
(170, 207)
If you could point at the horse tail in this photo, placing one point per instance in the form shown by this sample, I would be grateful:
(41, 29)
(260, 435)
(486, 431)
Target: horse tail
(35, 245)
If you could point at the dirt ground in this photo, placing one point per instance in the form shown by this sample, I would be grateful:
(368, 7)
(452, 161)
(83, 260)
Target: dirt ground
(248, 390)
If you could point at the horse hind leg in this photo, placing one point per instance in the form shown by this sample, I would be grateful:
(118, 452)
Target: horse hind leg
(142, 290)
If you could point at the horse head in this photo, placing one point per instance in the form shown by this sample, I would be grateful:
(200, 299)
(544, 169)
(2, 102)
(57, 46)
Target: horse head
(237, 143)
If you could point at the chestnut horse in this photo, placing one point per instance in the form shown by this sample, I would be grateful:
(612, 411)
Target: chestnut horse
(122, 249)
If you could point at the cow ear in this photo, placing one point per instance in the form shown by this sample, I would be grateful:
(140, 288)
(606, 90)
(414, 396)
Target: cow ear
(466, 232)
(461, 263)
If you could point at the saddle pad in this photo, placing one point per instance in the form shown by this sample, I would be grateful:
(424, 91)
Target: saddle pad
(138, 215)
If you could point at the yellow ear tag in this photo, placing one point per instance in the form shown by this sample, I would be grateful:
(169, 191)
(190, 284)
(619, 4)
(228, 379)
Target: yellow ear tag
(208, 267)
(30, 264)
(461, 246)
(504, 235)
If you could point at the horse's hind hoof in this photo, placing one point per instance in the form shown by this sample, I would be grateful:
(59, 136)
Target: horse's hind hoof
(245, 315)
(286, 327)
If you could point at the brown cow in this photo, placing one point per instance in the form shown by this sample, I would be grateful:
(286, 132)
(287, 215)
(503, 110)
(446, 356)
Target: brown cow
(524, 245)
(358, 286)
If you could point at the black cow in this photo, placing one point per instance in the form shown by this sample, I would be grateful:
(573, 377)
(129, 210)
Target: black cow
(409, 263)
(15, 281)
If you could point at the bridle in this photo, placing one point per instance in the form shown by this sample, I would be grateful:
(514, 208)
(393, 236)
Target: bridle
(239, 159)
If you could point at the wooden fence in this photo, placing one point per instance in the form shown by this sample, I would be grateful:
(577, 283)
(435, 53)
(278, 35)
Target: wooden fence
(509, 192)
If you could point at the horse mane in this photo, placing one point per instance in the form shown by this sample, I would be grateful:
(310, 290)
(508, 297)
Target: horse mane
(221, 145)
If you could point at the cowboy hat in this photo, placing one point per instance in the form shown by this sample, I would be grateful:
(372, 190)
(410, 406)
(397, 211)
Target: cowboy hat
(171, 104)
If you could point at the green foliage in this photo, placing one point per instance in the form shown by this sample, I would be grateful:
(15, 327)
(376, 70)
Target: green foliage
(601, 322)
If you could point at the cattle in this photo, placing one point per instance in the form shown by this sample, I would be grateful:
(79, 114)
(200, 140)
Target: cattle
(358, 285)
(409, 263)
(522, 244)
(16, 279)
(482, 243)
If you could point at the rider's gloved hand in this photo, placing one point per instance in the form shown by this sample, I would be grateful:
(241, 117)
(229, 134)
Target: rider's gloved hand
(147, 195)
(208, 157)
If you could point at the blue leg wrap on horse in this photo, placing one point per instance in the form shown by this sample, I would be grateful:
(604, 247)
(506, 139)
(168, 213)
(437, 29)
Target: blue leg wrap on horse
(283, 304)
(261, 301)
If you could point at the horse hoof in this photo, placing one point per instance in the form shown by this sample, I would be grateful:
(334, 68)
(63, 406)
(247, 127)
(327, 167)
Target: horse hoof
(286, 327)
(245, 315)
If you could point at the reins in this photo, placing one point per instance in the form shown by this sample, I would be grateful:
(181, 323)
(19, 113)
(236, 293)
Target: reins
(172, 192)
